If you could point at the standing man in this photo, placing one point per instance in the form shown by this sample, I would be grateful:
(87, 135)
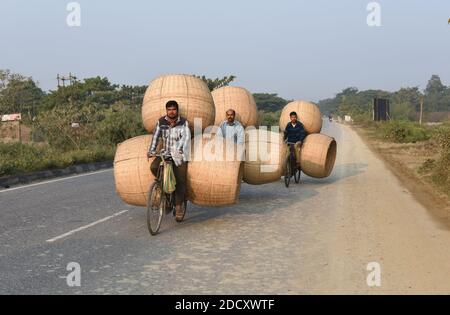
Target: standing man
(294, 134)
(175, 132)
(231, 128)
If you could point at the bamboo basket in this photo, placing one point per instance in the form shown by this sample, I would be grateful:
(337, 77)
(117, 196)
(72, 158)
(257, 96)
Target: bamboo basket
(192, 94)
(239, 99)
(132, 173)
(308, 114)
(210, 182)
(318, 155)
(264, 157)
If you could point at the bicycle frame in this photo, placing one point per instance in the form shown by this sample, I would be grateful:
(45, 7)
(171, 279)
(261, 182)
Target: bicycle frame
(292, 151)
(160, 177)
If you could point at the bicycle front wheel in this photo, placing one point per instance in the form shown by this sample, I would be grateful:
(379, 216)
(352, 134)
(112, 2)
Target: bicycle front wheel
(287, 172)
(155, 208)
(297, 174)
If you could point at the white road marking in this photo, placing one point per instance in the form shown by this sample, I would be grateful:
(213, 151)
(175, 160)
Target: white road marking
(55, 180)
(86, 227)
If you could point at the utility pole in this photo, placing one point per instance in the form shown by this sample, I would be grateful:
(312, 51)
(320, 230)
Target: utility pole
(71, 78)
(421, 110)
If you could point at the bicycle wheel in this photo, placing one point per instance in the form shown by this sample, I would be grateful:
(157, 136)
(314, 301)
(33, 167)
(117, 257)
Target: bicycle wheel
(297, 174)
(287, 172)
(155, 208)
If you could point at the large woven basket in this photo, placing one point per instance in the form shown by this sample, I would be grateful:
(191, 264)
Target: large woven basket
(239, 99)
(132, 173)
(213, 183)
(192, 94)
(318, 155)
(264, 157)
(308, 113)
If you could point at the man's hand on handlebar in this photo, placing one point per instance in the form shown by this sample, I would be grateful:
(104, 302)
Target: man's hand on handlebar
(151, 154)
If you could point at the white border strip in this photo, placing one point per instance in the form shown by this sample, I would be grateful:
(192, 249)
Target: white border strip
(54, 180)
(52, 240)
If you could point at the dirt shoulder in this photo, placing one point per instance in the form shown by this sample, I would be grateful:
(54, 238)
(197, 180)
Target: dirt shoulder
(404, 161)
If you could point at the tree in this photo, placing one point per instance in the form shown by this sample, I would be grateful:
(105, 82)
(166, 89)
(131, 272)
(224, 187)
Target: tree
(405, 102)
(18, 94)
(217, 83)
(118, 126)
(56, 126)
(269, 102)
(97, 92)
(329, 106)
(434, 95)
(434, 85)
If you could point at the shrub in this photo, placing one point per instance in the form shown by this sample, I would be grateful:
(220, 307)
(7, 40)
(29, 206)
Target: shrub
(22, 158)
(442, 136)
(441, 173)
(403, 131)
(119, 126)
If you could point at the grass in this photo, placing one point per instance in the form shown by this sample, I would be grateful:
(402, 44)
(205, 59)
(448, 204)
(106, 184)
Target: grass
(19, 158)
(436, 170)
(401, 131)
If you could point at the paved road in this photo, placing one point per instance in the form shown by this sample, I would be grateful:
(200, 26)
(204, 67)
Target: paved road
(315, 237)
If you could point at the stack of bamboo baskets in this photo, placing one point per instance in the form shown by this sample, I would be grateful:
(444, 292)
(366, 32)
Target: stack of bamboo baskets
(217, 182)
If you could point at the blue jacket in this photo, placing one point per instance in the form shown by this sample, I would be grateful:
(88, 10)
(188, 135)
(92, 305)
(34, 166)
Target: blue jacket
(294, 134)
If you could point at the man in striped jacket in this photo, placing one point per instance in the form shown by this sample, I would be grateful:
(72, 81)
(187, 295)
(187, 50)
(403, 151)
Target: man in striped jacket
(174, 130)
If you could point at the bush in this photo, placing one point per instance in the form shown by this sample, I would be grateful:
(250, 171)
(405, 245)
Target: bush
(403, 131)
(269, 119)
(442, 136)
(441, 173)
(119, 126)
(23, 158)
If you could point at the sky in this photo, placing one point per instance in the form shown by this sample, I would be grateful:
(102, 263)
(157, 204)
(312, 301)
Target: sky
(299, 49)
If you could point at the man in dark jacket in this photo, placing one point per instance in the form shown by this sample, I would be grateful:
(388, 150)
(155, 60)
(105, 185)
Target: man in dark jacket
(294, 134)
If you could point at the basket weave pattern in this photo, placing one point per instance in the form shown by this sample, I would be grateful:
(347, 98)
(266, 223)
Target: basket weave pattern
(308, 114)
(192, 94)
(239, 99)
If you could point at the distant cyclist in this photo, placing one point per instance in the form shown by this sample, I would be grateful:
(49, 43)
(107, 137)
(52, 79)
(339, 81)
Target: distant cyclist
(294, 134)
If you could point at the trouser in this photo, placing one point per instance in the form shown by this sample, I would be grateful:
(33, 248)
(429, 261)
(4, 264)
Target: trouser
(180, 176)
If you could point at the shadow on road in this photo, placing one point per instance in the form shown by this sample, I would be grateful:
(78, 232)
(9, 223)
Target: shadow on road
(254, 200)
(263, 199)
(339, 173)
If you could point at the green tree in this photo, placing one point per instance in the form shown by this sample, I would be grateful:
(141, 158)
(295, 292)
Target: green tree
(18, 94)
(56, 126)
(217, 83)
(269, 102)
(98, 92)
(119, 126)
(435, 93)
(405, 102)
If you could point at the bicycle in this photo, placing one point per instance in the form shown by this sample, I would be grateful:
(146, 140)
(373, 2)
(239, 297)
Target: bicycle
(160, 203)
(291, 169)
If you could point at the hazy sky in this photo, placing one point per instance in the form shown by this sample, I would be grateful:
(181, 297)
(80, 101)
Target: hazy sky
(298, 49)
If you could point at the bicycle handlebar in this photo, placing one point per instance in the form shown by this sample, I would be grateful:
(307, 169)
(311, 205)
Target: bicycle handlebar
(162, 154)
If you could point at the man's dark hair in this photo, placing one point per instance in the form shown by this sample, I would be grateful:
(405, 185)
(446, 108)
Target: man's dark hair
(171, 104)
(231, 110)
(293, 114)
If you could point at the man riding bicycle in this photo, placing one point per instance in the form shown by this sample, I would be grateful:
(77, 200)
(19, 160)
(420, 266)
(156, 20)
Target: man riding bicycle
(174, 130)
(294, 134)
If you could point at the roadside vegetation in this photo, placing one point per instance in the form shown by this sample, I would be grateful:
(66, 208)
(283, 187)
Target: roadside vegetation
(83, 122)
(78, 123)
(403, 138)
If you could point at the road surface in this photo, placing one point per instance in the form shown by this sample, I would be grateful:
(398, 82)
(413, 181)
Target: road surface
(315, 237)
